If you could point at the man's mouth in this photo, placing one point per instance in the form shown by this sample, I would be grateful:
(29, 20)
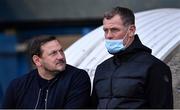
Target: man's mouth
(61, 62)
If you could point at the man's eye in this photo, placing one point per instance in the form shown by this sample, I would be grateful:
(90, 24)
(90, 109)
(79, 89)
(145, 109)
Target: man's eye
(54, 53)
(61, 51)
(105, 30)
(114, 30)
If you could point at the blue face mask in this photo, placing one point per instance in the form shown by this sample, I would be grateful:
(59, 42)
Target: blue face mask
(114, 46)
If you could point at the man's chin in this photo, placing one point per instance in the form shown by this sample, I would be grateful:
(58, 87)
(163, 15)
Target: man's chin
(58, 71)
(62, 68)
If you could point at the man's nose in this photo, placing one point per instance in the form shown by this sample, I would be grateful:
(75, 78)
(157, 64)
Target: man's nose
(108, 35)
(60, 55)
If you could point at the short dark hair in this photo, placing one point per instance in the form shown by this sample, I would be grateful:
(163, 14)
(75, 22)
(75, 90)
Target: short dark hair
(126, 14)
(34, 45)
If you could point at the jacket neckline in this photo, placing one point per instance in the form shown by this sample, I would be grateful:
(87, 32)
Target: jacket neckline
(134, 48)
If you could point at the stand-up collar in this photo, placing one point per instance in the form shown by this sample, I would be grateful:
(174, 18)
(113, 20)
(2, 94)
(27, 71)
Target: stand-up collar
(134, 48)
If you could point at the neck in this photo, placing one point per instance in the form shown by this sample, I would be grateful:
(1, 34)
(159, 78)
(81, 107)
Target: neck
(46, 74)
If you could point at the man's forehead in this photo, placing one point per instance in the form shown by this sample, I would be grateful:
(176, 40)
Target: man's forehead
(115, 20)
(112, 25)
(52, 44)
(118, 17)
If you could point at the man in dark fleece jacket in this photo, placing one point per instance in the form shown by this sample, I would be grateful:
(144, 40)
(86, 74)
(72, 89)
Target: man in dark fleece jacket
(53, 84)
(132, 78)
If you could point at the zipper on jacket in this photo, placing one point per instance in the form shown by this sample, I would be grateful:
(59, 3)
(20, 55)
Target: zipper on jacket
(107, 105)
(47, 93)
(38, 99)
(46, 99)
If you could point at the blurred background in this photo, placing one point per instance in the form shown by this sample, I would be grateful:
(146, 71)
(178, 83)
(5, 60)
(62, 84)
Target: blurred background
(68, 20)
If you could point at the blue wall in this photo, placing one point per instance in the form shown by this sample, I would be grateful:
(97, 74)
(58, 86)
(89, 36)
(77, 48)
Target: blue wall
(8, 61)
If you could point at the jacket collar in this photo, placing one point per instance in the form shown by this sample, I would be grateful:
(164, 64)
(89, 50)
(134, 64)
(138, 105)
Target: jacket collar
(134, 48)
(43, 83)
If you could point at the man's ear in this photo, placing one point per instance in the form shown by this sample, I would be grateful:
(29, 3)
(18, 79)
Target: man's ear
(36, 59)
(132, 30)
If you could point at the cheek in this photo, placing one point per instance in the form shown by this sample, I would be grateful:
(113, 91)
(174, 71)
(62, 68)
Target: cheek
(119, 36)
(50, 61)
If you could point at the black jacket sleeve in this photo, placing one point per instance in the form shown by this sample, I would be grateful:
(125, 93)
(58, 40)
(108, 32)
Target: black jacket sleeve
(79, 92)
(159, 87)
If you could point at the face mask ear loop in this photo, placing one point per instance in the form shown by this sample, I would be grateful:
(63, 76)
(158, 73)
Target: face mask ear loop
(125, 37)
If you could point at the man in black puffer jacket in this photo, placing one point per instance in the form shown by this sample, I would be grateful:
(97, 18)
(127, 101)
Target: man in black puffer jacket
(132, 78)
(54, 84)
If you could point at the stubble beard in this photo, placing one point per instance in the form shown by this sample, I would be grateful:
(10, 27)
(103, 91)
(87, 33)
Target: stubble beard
(56, 71)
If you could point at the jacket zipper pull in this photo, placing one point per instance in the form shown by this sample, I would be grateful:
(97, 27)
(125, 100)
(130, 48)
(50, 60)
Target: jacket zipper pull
(46, 99)
(38, 99)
